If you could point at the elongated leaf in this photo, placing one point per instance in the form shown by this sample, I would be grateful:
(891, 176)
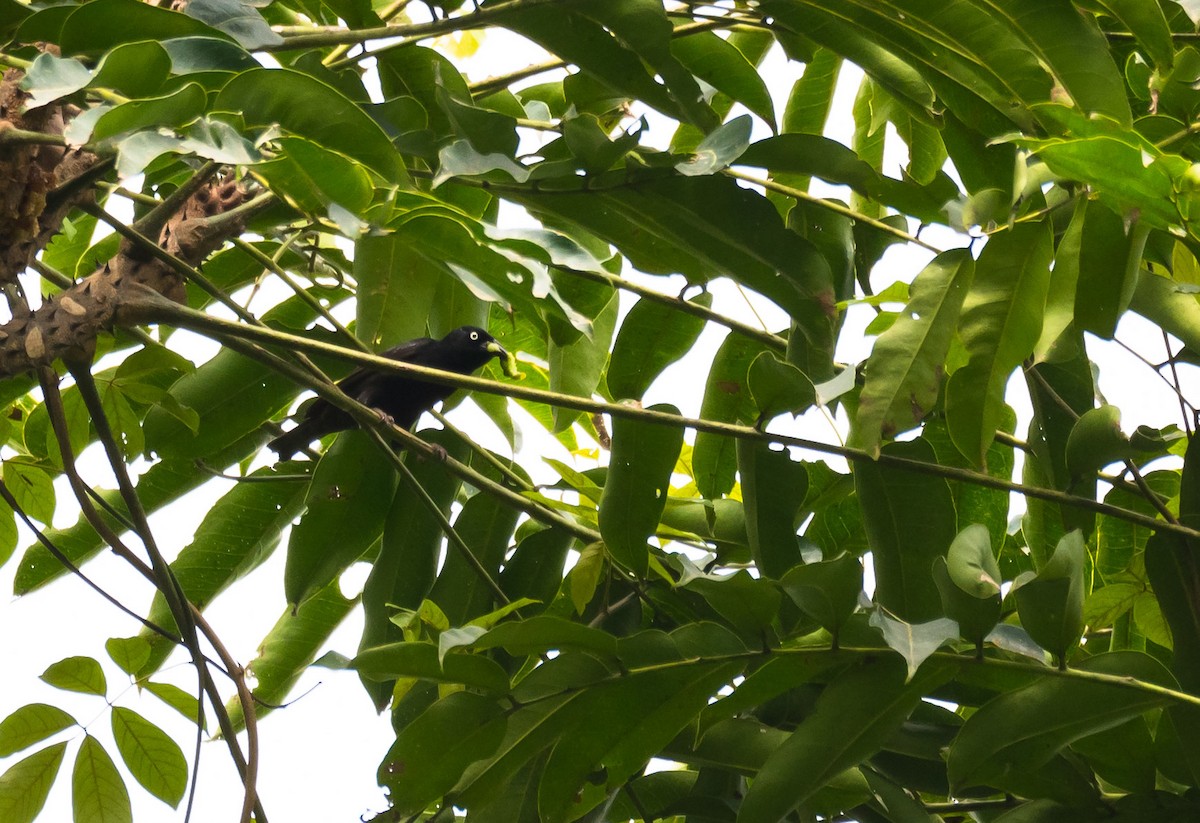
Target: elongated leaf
(396, 289)
(239, 532)
(904, 370)
(430, 754)
(1028, 726)
(587, 44)
(909, 520)
(97, 790)
(545, 633)
(723, 66)
(1051, 602)
(627, 723)
(639, 476)
(1107, 274)
(94, 28)
(1001, 322)
(652, 336)
(773, 489)
(486, 525)
(290, 647)
(701, 227)
(395, 660)
(855, 714)
(152, 757)
(307, 107)
(408, 557)
(347, 502)
(727, 398)
(25, 786)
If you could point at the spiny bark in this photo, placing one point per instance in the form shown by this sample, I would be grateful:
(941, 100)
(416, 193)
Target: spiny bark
(38, 196)
(30, 213)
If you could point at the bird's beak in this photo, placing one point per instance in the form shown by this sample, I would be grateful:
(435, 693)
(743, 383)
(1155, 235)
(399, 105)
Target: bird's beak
(508, 363)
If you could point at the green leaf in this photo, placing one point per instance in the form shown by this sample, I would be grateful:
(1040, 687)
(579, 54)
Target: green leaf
(237, 18)
(749, 604)
(134, 69)
(1095, 441)
(239, 532)
(308, 108)
(26, 784)
(903, 373)
(909, 520)
(726, 399)
(968, 580)
(855, 715)
(826, 591)
(588, 44)
(97, 790)
(420, 660)
(723, 66)
(622, 725)
(1149, 26)
(639, 476)
(289, 647)
(32, 723)
(312, 177)
(76, 674)
(778, 387)
(347, 502)
(178, 108)
(701, 227)
(544, 633)
(130, 653)
(1051, 602)
(152, 757)
(31, 488)
(652, 336)
(96, 27)
(1026, 727)
(461, 159)
(914, 642)
(773, 489)
(1000, 324)
(181, 701)
(577, 366)
(431, 753)
(486, 524)
(409, 552)
(719, 149)
(1110, 253)
(51, 77)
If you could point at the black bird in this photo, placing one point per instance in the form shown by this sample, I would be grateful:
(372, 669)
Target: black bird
(402, 398)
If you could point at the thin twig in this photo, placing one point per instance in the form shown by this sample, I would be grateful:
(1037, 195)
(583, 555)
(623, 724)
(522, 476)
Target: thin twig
(154, 307)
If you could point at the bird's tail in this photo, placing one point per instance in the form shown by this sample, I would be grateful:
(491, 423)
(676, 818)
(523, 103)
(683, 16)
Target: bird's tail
(291, 442)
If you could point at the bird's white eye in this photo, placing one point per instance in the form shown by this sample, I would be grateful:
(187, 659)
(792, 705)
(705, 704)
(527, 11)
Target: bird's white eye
(474, 335)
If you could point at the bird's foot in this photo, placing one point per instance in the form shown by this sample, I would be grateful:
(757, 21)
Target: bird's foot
(385, 418)
(436, 452)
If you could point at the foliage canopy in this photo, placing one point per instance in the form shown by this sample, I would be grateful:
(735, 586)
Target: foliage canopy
(294, 162)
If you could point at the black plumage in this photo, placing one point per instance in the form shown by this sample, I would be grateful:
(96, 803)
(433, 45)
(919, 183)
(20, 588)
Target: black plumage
(402, 398)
